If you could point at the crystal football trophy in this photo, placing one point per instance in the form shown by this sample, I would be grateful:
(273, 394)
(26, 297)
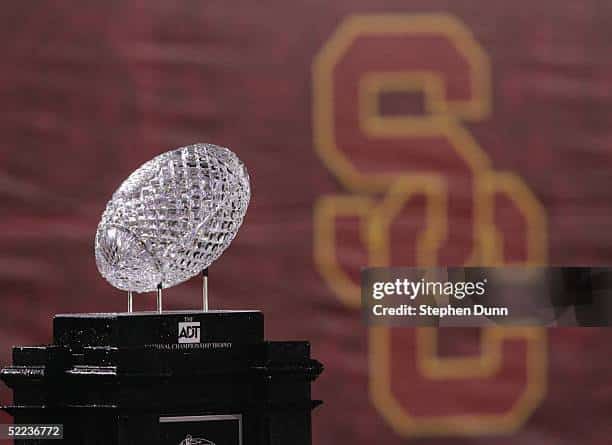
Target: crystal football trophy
(168, 377)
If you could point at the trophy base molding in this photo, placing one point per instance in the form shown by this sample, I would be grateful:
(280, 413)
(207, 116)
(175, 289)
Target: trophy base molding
(176, 378)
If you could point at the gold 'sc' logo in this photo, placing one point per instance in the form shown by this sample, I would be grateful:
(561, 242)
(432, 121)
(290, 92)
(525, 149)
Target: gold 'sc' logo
(419, 190)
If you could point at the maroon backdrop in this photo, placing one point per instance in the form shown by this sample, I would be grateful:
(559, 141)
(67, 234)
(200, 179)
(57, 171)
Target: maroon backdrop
(91, 90)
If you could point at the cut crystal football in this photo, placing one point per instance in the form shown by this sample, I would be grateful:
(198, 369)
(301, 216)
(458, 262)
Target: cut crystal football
(172, 218)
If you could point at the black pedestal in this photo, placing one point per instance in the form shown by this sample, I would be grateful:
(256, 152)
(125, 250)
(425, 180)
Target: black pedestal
(179, 377)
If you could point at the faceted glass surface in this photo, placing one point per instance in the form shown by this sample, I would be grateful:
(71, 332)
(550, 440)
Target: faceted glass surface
(172, 218)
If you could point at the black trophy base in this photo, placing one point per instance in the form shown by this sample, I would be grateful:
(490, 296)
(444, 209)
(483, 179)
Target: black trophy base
(177, 378)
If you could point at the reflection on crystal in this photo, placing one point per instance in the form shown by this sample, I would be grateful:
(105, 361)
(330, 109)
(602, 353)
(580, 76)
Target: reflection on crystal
(172, 217)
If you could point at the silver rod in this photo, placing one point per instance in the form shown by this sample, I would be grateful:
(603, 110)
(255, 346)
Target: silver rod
(159, 298)
(130, 302)
(205, 290)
